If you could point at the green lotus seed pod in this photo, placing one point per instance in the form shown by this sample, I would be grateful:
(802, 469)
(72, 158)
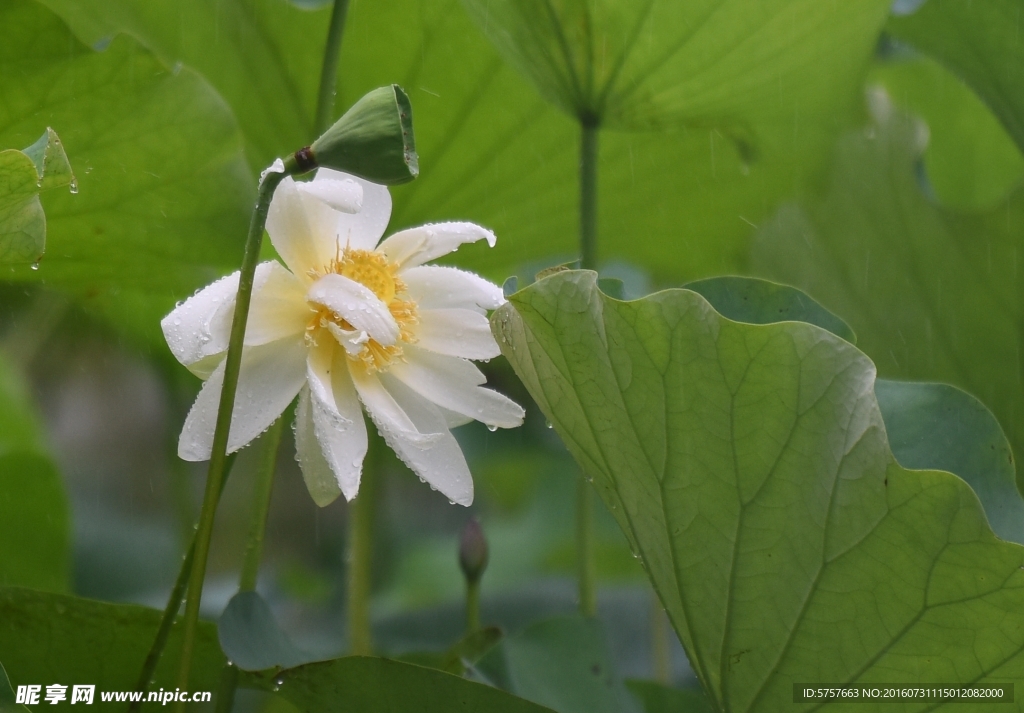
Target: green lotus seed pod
(372, 140)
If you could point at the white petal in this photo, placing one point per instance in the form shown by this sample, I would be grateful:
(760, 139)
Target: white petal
(271, 376)
(361, 230)
(337, 416)
(278, 308)
(418, 433)
(456, 332)
(437, 287)
(416, 246)
(199, 327)
(345, 195)
(320, 480)
(454, 384)
(302, 228)
(357, 305)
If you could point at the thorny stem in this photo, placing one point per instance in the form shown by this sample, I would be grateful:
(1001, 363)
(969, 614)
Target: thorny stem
(588, 261)
(218, 458)
(360, 550)
(262, 489)
(170, 612)
(329, 72)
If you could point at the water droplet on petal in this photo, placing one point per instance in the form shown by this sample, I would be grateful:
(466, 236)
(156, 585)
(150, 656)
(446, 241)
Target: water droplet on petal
(491, 427)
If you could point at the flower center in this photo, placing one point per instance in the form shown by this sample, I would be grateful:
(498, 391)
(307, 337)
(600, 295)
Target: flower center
(375, 272)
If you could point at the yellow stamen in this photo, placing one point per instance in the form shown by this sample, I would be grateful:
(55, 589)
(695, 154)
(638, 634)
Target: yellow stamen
(374, 271)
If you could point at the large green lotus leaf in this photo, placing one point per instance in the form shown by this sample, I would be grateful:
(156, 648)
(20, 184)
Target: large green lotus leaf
(659, 63)
(929, 426)
(362, 684)
(491, 149)
(23, 174)
(53, 638)
(970, 161)
(164, 190)
(933, 294)
(749, 466)
(980, 43)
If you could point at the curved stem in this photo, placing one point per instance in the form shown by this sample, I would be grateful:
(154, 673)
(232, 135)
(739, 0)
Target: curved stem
(329, 72)
(170, 612)
(588, 261)
(262, 489)
(218, 458)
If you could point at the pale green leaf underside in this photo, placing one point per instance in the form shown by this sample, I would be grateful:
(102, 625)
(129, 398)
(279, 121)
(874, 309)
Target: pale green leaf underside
(749, 467)
(929, 426)
(649, 63)
(932, 294)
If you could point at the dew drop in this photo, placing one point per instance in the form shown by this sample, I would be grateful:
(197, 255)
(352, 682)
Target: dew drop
(73, 187)
(491, 427)
(549, 424)
(35, 265)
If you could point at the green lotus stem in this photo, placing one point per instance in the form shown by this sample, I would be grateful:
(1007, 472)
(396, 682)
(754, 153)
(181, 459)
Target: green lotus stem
(218, 457)
(262, 489)
(588, 261)
(170, 612)
(260, 508)
(360, 550)
(329, 72)
(588, 193)
(472, 606)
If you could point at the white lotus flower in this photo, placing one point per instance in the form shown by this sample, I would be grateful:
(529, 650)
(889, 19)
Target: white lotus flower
(349, 321)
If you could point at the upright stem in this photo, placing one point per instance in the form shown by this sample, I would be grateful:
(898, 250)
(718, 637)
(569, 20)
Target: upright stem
(588, 193)
(588, 261)
(360, 551)
(329, 72)
(218, 457)
(260, 508)
(472, 606)
(253, 548)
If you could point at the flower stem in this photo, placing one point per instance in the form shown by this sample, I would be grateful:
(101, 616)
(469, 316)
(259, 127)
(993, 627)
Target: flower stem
(262, 488)
(472, 606)
(218, 457)
(329, 72)
(360, 550)
(588, 261)
(170, 612)
(260, 508)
